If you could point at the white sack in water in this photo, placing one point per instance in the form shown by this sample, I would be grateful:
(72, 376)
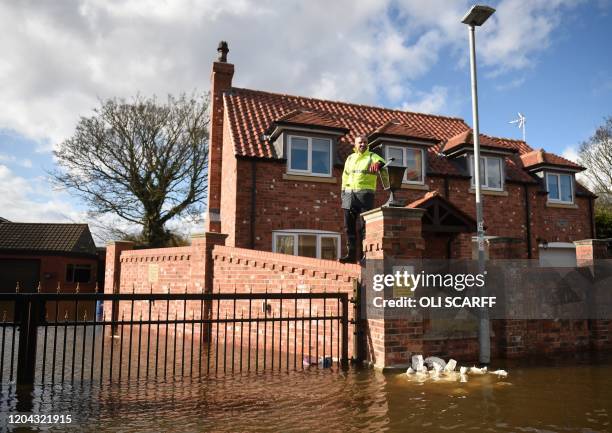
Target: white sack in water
(500, 373)
(431, 361)
(451, 365)
(417, 363)
(476, 370)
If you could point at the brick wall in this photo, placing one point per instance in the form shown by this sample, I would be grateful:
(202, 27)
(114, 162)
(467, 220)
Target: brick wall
(316, 206)
(243, 270)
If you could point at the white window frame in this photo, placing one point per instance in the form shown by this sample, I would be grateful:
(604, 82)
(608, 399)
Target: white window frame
(295, 233)
(484, 175)
(308, 171)
(405, 157)
(558, 176)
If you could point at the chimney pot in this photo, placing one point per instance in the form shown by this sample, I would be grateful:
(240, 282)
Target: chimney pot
(222, 49)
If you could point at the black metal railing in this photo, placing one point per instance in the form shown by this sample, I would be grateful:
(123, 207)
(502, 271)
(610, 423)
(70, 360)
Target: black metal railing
(59, 337)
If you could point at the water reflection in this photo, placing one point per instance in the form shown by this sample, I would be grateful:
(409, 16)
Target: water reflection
(571, 397)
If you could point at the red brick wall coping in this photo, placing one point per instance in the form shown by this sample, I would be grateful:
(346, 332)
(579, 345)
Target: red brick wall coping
(157, 254)
(288, 263)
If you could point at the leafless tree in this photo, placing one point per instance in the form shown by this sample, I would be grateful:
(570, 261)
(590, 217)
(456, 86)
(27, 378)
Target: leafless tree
(596, 155)
(142, 160)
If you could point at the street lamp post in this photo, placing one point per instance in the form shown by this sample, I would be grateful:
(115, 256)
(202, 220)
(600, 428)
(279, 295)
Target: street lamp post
(476, 16)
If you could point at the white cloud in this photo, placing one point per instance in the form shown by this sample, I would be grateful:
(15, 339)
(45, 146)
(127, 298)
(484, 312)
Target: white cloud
(12, 159)
(518, 30)
(571, 153)
(433, 102)
(60, 57)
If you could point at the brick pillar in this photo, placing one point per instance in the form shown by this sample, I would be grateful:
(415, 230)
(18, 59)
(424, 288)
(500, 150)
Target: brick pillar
(589, 250)
(112, 273)
(112, 277)
(202, 245)
(392, 235)
(220, 81)
(589, 253)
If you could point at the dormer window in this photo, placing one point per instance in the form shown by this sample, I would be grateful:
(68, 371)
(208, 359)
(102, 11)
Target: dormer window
(560, 187)
(491, 172)
(410, 157)
(309, 155)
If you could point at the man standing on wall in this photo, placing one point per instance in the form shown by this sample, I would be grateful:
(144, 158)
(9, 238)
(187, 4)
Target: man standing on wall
(358, 187)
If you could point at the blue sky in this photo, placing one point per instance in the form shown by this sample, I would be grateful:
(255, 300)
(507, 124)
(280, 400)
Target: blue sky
(547, 59)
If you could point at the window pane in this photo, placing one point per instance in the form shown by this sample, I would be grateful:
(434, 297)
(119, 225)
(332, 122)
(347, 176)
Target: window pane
(494, 173)
(482, 173)
(285, 244)
(414, 162)
(553, 187)
(307, 245)
(299, 154)
(398, 154)
(566, 187)
(69, 273)
(321, 149)
(329, 247)
(82, 273)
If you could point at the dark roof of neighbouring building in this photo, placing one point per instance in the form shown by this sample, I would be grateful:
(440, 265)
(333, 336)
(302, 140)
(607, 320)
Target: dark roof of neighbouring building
(47, 238)
(253, 113)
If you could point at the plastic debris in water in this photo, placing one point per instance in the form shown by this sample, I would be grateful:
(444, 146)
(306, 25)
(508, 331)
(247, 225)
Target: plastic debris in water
(410, 371)
(431, 361)
(500, 373)
(463, 370)
(476, 370)
(450, 365)
(463, 377)
(417, 363)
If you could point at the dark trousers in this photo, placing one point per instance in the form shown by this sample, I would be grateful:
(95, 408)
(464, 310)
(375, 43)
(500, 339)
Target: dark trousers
(353, 204)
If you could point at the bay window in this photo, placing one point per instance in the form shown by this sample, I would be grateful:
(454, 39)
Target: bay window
(491, 172)
(307, 243)
(411, 158)
(560, 187)
(309, 155)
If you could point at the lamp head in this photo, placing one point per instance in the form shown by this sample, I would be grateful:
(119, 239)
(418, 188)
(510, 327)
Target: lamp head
(477, 15)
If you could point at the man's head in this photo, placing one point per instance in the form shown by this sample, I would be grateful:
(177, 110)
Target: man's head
(361, 143)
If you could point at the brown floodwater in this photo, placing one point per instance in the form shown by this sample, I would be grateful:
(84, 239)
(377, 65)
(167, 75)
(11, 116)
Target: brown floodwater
(542, 396)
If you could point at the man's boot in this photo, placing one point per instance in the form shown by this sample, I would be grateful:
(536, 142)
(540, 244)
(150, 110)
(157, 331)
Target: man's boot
(350, 255)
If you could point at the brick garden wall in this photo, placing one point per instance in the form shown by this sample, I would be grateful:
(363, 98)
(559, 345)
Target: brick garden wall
(244, 270)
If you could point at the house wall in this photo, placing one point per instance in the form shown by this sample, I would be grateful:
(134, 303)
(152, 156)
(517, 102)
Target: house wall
(53, 272)
(283, 203)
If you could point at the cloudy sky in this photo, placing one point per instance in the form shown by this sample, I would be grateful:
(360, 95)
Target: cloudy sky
(549, 59)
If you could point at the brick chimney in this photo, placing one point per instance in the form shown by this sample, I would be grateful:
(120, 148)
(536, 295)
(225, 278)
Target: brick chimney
(220, 81)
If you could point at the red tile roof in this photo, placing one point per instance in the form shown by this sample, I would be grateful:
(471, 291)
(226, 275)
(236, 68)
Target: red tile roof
(394, 128)
(540, 157)
(252, 114)
(466, 139)
(310, 118)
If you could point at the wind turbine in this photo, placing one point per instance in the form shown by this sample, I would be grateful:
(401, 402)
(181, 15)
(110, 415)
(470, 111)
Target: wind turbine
(520, 122)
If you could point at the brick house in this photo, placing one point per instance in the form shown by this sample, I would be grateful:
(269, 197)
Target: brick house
(49, 254)
(275, 168)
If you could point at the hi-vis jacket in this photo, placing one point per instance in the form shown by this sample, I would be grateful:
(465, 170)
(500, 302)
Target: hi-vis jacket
(357, 175)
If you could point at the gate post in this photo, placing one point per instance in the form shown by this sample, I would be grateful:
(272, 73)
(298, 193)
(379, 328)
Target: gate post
(345, 330)
(28, 308)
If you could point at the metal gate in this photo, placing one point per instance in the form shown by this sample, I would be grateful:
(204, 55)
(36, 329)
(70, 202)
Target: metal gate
(79, 337)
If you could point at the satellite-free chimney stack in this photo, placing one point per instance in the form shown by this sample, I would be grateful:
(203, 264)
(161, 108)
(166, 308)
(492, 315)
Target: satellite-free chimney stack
(220, 82)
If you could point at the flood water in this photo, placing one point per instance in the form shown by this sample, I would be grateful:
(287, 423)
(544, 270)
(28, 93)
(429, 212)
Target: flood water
(544, 396)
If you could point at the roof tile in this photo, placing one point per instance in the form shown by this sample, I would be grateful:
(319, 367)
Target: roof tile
(65, 238)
